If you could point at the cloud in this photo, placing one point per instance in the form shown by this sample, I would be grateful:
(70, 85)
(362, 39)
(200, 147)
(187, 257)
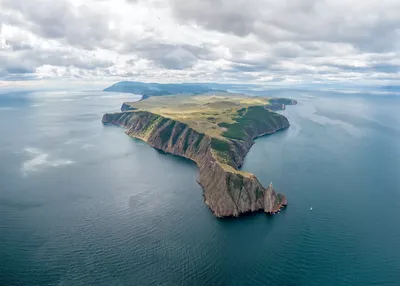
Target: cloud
(256, 41)
(39, 160)
(80, 25)
(173, 56)
(26, 59)
(369, 25)
(237, 17)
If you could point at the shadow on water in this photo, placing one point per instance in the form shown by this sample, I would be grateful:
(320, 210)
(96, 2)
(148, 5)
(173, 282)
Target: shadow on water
(177, 158)
(281, 131)
(252, 215)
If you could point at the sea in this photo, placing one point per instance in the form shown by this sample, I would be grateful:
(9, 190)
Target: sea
(84, 204)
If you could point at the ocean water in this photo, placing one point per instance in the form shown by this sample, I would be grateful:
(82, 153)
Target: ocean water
(84, 204)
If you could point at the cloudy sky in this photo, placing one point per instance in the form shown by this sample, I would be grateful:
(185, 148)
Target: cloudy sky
(258, 41)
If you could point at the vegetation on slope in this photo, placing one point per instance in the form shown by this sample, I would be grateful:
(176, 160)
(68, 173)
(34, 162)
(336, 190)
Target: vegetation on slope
(253, 117)
(167, 126)
(222, 118)
(208, 114)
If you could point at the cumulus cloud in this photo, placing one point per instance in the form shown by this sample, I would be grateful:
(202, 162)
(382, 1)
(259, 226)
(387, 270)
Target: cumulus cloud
(79, 25)
(201, 40)
(365, 24)
(173, 56)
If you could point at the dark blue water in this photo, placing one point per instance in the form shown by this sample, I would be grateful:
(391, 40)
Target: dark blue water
(84, 204)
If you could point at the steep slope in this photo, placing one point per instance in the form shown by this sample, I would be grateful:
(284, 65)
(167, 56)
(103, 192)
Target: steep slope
(227, 191)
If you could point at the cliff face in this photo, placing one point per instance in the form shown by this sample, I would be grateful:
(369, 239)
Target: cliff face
(126, 107)
(227, 191)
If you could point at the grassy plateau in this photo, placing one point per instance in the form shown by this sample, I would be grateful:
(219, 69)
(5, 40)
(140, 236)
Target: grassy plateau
(219, 115)
(223, 117)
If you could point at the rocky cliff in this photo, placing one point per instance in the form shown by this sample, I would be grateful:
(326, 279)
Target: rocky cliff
(227, 190)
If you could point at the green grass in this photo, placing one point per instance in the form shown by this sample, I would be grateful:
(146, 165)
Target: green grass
(224, 157)
(255, 117)
(202, 113)
(256, 113)
(220, 145)
(186, 142)
(198, 141)
(224, 124)
(151, 122)
(179, 127)
(241, 111)
(235, 131)
(165, 133)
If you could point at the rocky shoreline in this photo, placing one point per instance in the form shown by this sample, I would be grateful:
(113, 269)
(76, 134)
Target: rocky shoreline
(227, 190)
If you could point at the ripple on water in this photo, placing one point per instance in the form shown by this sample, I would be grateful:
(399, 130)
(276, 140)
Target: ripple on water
(131, 214)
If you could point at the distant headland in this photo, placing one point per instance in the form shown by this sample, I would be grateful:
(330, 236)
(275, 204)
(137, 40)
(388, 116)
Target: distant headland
(159, 89)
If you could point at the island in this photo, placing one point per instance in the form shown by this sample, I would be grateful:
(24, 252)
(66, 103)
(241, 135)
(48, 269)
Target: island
(147, 90)
(216, 131)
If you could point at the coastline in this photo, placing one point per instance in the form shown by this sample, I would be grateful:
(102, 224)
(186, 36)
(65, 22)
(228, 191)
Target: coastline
(227, 190)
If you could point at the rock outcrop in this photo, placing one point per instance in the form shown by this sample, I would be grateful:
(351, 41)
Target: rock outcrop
(227, 190)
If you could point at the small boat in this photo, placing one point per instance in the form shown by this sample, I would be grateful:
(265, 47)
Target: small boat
(311, 209)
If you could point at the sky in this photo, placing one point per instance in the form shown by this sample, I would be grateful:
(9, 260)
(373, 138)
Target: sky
(248, 41)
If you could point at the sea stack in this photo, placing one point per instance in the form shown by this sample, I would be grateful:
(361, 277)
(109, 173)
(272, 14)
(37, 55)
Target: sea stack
(273, 201)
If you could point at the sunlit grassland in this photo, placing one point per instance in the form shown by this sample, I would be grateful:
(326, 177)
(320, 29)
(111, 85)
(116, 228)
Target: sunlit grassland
(222, 117)
(213, 115)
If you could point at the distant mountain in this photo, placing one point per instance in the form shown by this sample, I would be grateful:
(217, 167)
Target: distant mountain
(158, 89)
(391, 88)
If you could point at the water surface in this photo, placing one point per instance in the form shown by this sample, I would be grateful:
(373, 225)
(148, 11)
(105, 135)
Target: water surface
(84, 204)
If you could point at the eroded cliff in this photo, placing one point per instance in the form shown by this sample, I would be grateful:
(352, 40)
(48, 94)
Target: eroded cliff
(227, 190)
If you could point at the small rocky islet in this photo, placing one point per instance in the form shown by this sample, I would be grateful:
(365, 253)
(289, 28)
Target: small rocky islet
(216, 131)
